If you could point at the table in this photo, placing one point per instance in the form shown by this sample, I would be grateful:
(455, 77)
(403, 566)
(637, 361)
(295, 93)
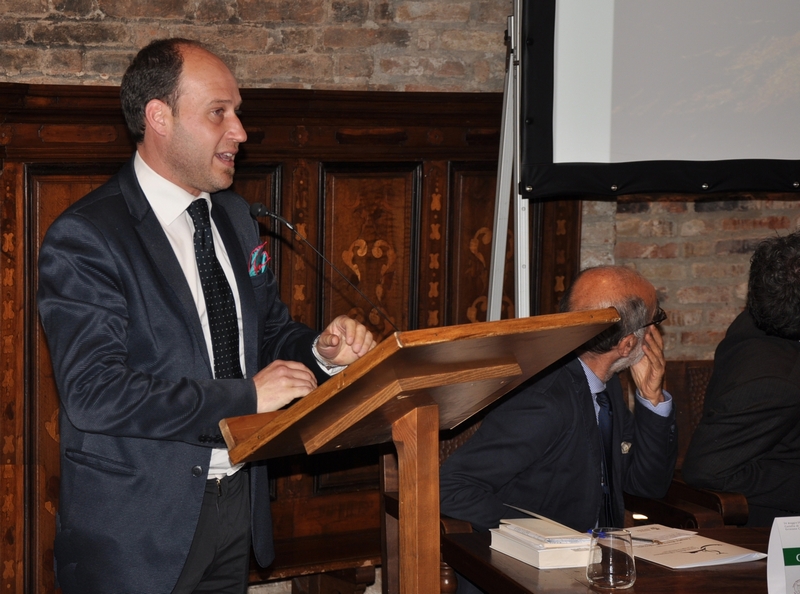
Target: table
(470, 555)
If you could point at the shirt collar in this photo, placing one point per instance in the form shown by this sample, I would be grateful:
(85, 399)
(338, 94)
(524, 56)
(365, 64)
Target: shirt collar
(595, 383)
(167, 200)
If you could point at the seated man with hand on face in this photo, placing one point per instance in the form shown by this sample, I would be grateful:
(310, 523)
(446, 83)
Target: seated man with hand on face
(748, 439)
(542, 450)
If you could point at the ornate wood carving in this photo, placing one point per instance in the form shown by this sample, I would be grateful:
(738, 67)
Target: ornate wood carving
(369, 232)
(470, 224)
(432, 230)
(559, 251)
(51, 189)
(12, 362)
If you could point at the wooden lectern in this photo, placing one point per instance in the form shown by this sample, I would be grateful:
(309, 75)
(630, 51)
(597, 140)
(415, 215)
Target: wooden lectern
(411, 385)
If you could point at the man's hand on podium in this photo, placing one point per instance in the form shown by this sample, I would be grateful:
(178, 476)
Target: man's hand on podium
(280, 382)
(344, 341)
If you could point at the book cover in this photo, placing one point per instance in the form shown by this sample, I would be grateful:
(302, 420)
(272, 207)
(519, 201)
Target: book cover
(544, 529)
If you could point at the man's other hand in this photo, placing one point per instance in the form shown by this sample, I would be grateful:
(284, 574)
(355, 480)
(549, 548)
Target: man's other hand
(280, 382)
(344, 341)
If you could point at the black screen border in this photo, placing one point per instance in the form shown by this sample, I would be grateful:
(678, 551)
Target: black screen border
(540, 178)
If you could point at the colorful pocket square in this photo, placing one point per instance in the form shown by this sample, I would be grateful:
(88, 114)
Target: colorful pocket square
(259, 258)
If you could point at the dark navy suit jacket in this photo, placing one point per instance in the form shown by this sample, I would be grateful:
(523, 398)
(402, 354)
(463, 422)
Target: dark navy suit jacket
(139, 408)
(748, 439)
(539, 450)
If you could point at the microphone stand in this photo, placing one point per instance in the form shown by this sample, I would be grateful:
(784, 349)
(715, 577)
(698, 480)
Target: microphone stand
(259, 210)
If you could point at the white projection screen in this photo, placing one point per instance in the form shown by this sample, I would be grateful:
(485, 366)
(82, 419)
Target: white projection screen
(623, 96)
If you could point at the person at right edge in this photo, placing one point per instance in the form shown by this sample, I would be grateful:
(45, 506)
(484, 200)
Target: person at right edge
(542, 448)
(748, 439)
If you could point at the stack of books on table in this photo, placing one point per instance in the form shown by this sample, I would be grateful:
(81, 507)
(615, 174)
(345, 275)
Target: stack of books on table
(541, 542)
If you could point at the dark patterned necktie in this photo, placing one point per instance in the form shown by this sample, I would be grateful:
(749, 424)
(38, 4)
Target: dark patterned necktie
(220, 306)
(604, 416)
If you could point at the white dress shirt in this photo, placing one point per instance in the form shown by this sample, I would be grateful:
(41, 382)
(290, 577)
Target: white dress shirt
(596, 385)
(169, 203)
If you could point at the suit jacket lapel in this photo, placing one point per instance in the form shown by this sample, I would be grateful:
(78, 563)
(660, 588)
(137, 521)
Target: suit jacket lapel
(160, 251)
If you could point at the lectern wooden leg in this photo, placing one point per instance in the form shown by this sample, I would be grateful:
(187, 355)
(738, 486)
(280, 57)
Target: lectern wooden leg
(416, 438)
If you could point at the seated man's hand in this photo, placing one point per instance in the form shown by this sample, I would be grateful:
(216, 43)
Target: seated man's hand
(648, 373)
(344, 341)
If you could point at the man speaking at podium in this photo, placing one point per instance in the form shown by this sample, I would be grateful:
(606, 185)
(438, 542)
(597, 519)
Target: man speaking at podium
(162, 319)
(565, 445)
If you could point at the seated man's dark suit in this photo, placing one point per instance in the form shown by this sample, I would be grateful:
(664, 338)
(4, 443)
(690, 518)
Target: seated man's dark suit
(540, 450)
(139, 407)
(748, 439)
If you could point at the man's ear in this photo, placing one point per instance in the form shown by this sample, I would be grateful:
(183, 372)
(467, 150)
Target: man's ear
(158, 116)
(626, 345)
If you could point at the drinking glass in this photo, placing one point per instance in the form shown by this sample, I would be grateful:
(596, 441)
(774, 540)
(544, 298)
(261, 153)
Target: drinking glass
(611, 563)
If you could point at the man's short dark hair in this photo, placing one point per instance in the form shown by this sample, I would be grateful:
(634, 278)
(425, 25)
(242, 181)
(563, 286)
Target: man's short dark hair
(153, 74)
(773, 289)
(632, 311)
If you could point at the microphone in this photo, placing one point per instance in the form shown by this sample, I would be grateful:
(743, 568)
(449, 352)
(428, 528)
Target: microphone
(259, 210)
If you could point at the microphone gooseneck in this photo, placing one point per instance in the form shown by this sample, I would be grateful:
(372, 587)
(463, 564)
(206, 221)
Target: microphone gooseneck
(259, 210)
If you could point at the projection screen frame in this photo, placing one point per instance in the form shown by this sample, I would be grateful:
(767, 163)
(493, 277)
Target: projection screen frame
(541, 178)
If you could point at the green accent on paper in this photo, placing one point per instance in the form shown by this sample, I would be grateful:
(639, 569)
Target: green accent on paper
(791, 556)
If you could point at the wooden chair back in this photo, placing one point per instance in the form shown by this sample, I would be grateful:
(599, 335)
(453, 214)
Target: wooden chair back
(686, 381)
(686, 506)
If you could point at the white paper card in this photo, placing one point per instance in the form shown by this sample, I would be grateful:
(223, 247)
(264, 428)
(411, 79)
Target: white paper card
(783, 556)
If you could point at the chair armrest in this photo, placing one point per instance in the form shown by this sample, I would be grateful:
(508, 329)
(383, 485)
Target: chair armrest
(675, 513)
(731, 506)
(448, 583)
(690, 507)
(449, 525)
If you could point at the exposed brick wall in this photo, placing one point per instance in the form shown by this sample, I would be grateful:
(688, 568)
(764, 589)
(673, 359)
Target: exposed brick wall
(393, 45)
(696, 253)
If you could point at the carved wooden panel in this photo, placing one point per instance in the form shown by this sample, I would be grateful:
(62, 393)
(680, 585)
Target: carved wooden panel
(13, 493)
(559, 242)
(431, 292)
(326, 493)
(470, 224)
(370, 231)
(51, 190)
(300, 206)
